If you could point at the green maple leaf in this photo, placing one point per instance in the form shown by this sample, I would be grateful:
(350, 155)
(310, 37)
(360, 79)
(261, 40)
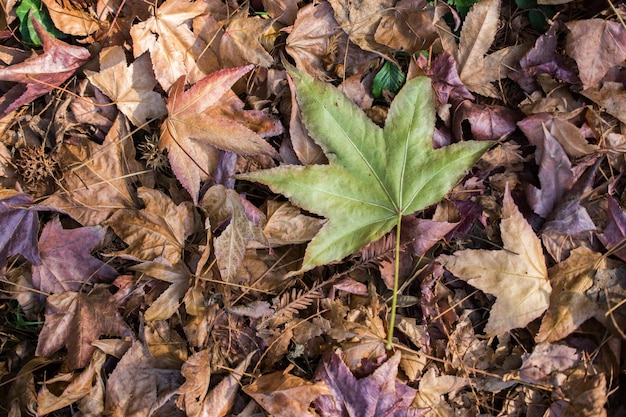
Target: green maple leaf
(375, 176)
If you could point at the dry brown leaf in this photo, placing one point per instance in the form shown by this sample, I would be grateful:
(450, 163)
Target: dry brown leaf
(611, 97)
(597, 45)
(79, 387)
(74, 320)
(98, 179)
(130, 87)
(175, 50)
(197, 372)
(166, 346)
(284, 395)
(71, 20)
(240, 43)
(431, 392)
(220, 399)
(168, 302)
(569, 305)
(287, 225)
(516, 275)
(158, 230)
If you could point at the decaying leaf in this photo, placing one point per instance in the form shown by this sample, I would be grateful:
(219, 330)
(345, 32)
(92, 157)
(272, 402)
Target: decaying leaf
(369, 182)
(74, 320)
(16, 220)
(516, 275)
(40, 74)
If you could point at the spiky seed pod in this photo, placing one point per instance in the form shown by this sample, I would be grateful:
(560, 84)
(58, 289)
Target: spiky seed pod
(36, 166)
(155, 159)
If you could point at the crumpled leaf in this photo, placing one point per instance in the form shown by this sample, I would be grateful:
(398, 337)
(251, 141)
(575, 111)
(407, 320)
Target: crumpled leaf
(174, 48)
(516, 275)
(486, 121)
(98, 179)
(138, 388)
(569, 305)
(197, 373)
(40, 74)
(167, 304)
(369, 182)
(220, 399)
(555, 168)
(159, 229)
(546, 359)
(378, 394)
(611, 97)
(433, 388)
(614, 232)
(131, 86)
(476, 70)
(80, 386)
(17, 220)
(284, 395)
(208, 117)
(71, 20)
(597, 45)
(287, 225)
(74, 320)
(66, 261)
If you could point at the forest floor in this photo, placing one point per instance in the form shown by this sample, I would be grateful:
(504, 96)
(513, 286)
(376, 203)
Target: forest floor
(312, 208)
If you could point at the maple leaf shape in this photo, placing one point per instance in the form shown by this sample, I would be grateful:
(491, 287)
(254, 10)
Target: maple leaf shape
(40, 74)
(158, 230)
(130, 87)
(517, 275)
(476, 70)
(240, 43)
(204, 119)
(175, 50)
(66, 262)
(19, 227)
(375, 175)
(75, 320)
(378, 394)
(99, 178)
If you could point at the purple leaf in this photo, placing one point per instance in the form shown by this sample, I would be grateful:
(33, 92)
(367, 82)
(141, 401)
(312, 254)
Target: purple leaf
(19, 226)
(66, 261)
(615, 230)
(378, 394)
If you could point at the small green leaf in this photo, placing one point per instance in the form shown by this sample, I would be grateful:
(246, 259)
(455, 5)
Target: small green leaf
(39, 13)
(375, 175)
(390, 78)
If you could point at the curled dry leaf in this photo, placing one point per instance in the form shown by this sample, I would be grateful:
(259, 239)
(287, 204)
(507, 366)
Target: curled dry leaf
(72, 20)
(516, 275)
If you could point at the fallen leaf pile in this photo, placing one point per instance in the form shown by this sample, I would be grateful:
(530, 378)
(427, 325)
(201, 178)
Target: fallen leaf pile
(200, 201)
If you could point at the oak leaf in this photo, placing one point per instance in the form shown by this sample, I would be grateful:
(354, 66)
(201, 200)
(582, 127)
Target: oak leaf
(131, 87)
(516, 275)
(74, 320)
(66, 261)
(40, 74)
(375, 175)
(208, 117)
(160, 229)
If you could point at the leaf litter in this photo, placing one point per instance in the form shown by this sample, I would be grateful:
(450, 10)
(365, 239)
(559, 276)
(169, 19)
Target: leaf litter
(147, 271)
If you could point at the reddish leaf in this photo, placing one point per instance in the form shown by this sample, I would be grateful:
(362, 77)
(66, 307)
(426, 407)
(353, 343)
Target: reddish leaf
(378, 394)
(19, 227)
(40, 74)
(66, 261)
(75, 320)
(486, 121)
(208, 117)
(614, 234)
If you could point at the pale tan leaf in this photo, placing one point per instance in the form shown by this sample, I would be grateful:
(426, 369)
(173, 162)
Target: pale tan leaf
(516, 275)
(240, 43)
(130, 87)
(479, 31)
(284, 395)
(166, 346)
(73, 21)
(287, 225)
(197, 372)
